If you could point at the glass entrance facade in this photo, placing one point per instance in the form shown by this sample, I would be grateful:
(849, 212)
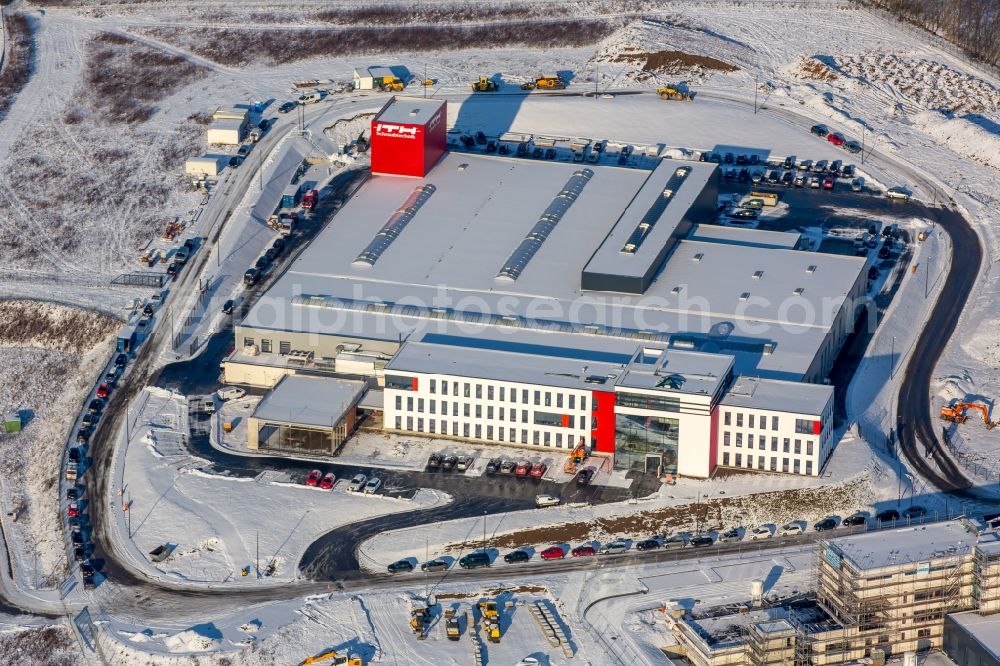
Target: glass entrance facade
(638, 438)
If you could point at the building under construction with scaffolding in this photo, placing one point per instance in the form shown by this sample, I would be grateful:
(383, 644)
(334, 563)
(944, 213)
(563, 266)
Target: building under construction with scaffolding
(876, 594)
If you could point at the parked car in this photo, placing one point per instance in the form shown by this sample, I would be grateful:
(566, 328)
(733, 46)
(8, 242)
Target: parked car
(819, 130)
(836, 138)
(873, 272)
(583, 551)
(897, 193)
(463, 463)
(73, 493)
(761, 532)
(857, 184)
(915, 512)
(373, 485)
(887, 516)
(550, 153)
(852, 146)
(538, 470)
(819, 167)
(227, 307)
(788, 179)
(79, 554)
(648, 544)
(700, 540)
(553, 553)
(73, 510)
(435, 565)
(676, 541)
(854, 520)
(475, 560)
(449, 462)
(884, 252)
(89, 420)
(96, 405)
(789, 162)
(83, 436)
(615, 548)
(434, 461)
(828, 183)
(287, 107)
(230, 393)
(799, 180)
(103, 390)
(790, 529)
(173, 268)
(357, 483)
(743, 214)
(825, 524)
(847, 171)
(481, 138)
(76, 537)
(523, 468)
(74, 455)
(730, 535)
(328, 480)
(508, 467)
(314, 477)
(493, 466)
(491, 147)
(835, 167)
(546, 500)
(805, 165)
(585, 476)
(402, 566)
(516, 556)
(814, 182)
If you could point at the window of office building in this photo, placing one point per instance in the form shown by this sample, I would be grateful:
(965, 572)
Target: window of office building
(798, 446)
(785, 447)
(524, 436)
(431, 405)
(454, 428)
(409, 423)
(725, 457)
(489, 392)
(399, 382)
(284, 347)
(399, 402)
(265, 346)
(559, 440)
(399, 423)
(489, 432)
(809, 467)
(652, 402)
(547, 438)
(750, 440)
(479, 431)
(739, 460)
(749, 420)
(774, 443)
(420, 425)
(444, 387)
(583, 402)
(774, 423)
(645, 442)
(433, 386)
(739, 420)
(803, 427)
(409, 403)
(248, 342)
(501, 393)
(726, 439)
(465, 430)
(430, 425)
(420, 405)
(479, 411)
(739, 440)
(774, 464)
(479, 391)
(467, 390)
(809, 447)
(572, 401)
(489, 412)
(784, 464)
(466, 409)
(796, 465)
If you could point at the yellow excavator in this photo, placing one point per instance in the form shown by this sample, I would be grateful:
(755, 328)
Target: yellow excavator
(491, 620)
(484, 84)
(420, 619)
(334, 658)
(671, 91)
(578, 455)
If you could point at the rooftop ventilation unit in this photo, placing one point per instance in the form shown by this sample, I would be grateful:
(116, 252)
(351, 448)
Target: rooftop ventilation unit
(798, 291)
(698, 257)
(811, 269)
(548, 220)
(745, 295)
(758, 275)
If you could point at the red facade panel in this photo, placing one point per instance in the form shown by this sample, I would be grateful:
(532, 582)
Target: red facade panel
(414, 384)
(565, 421)
(603, 408)
(817, 427)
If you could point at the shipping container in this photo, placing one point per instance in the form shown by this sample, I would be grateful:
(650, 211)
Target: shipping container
(290, 199)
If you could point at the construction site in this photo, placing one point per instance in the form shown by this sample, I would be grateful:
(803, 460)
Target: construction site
(872, 598)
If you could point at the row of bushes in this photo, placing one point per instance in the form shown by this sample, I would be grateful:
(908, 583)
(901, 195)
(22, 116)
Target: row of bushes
(18, 61)
(239, 47)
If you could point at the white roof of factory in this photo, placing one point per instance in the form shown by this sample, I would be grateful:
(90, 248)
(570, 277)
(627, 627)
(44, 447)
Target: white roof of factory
(463, 229)
(226, 124)
(554, 359)
(651, 205)
(909, 545)
(412, 110)
(778, 396)
(718, 233)
(316, 401)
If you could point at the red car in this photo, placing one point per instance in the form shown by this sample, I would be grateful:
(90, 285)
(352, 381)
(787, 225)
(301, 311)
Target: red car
(828, 183)
(103, 390)
(73, 510)
(313, 478)
(584, 550)
(538, 470)
(553, 553)
(523, 468)
(836, 138)
(328, 481)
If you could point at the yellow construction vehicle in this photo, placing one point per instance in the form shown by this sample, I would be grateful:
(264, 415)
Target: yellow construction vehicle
(671, 91)
(549, 82)
(956, 413)
(491, 620)
(489, 609)
(493, 631)
(334, 658)
(484, 84)
(578, 455)
(530, 85)
(452, 627)
(429, 82)
(420, 618)
(392, 85)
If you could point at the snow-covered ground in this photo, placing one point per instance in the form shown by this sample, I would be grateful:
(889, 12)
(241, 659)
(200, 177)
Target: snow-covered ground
(214, 525)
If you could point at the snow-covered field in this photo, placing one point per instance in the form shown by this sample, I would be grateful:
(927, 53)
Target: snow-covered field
(49, 358)
(215, 526)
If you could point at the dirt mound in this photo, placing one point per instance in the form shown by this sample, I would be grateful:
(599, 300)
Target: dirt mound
(813, 69)
(675, 62)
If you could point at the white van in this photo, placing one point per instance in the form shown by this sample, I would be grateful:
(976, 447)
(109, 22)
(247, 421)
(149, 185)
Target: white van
(310, 98)
(208, 405)
(230, 393)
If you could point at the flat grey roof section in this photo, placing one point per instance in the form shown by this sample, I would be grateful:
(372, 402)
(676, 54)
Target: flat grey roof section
(407, 110)
(679, 372)
(651, 220)
(311, 401)
(777, 395)
(716, 233)
(910, 545)
(984, 628)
